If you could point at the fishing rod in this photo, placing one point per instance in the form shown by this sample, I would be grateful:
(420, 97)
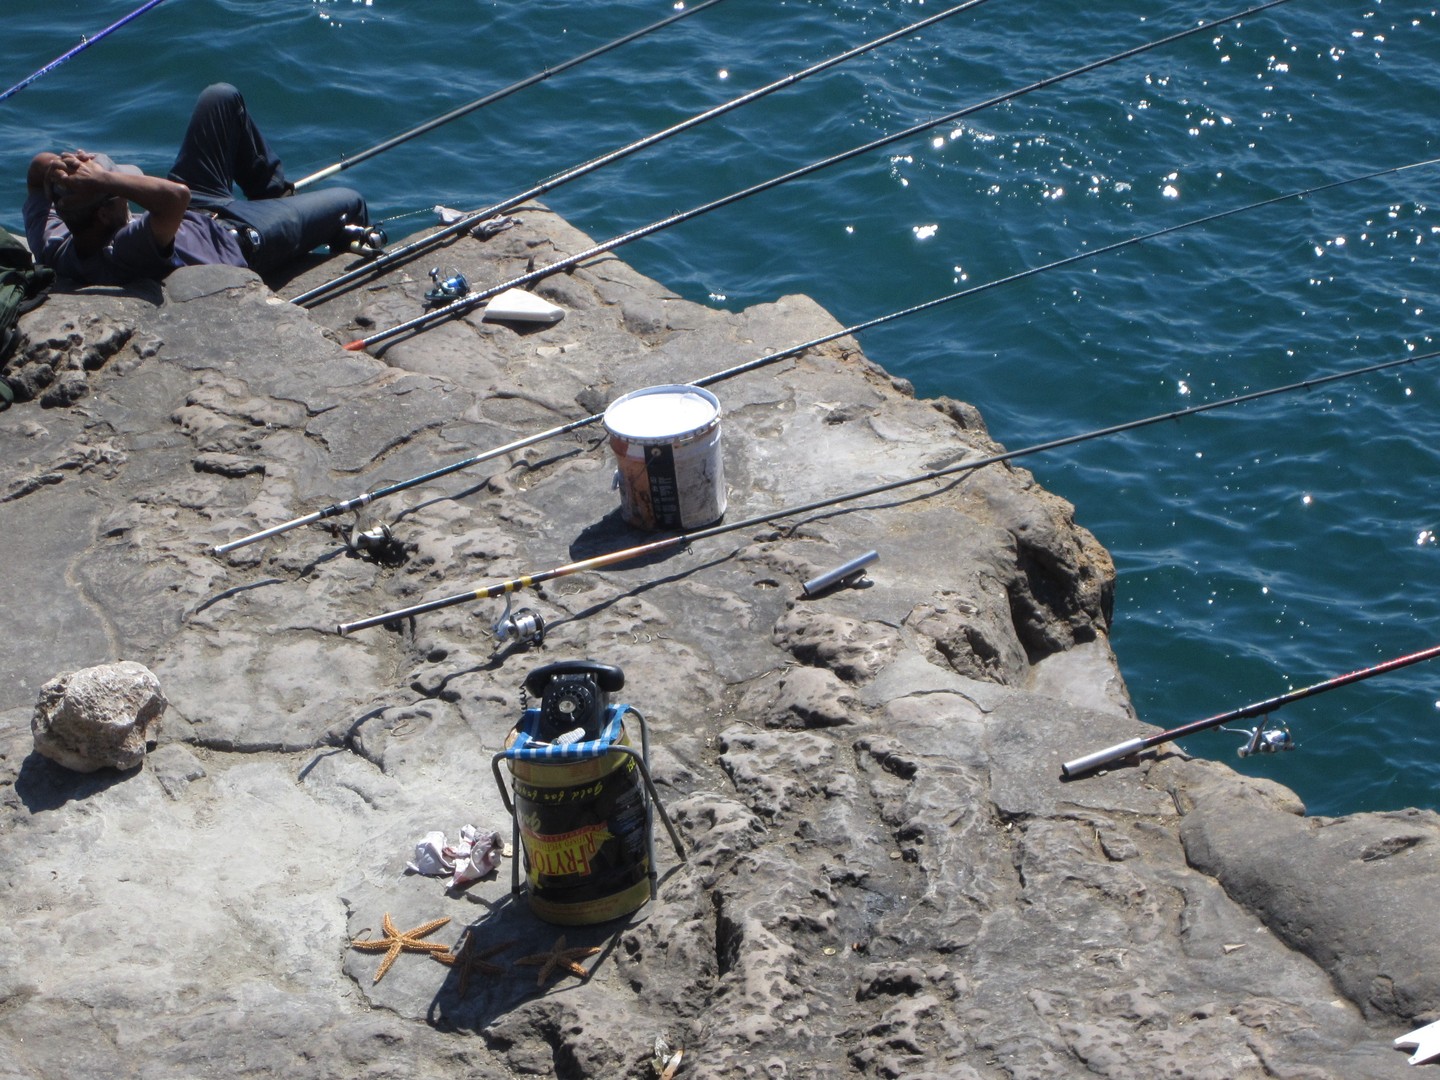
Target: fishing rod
(1129, 747)
(85, 43)
(491, 98)
(471, 300)
(365, 499)
(460, 225)
(489, 592)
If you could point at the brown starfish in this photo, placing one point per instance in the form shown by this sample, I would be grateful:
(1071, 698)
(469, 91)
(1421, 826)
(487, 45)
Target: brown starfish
(559, 957)
(394, 942)
(470, 959)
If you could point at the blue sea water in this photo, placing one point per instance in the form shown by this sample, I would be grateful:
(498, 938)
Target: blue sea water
(1260, 548)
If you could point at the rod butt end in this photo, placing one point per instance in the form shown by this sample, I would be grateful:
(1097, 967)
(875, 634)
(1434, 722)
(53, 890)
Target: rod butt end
(1091, 762)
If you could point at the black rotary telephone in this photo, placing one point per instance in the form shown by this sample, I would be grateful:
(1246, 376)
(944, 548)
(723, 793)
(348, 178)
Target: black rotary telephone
(574, 694)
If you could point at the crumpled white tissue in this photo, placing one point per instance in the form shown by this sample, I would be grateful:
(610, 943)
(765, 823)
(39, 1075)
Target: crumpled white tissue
(430, 857)
(470, 858)
(482, 855)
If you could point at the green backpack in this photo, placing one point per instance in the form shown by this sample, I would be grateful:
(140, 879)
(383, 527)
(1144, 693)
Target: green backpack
(22, 287)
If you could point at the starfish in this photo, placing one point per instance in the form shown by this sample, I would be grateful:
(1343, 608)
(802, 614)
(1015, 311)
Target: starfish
(470, 959)
(559, 957)
(394, 942)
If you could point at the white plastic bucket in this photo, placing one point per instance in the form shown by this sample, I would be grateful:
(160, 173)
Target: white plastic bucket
(670, 470)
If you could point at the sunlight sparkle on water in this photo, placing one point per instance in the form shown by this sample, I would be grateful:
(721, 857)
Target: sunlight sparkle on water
(924, 232)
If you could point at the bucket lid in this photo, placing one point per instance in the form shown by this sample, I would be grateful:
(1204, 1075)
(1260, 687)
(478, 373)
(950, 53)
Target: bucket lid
(660, 414)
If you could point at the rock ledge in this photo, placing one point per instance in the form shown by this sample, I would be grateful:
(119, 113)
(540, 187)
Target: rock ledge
(885, 876)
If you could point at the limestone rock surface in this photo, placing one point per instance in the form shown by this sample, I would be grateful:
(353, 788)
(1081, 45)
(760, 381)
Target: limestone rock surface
(884, 875)
(99, 717)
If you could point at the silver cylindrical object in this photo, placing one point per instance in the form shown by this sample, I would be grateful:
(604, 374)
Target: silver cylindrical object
(839, 574)
(1101, 757)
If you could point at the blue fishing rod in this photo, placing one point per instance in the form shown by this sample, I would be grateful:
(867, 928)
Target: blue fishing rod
(497, 95)
(85, 43)
(472, 300)
(361, 501)
(1131, 747)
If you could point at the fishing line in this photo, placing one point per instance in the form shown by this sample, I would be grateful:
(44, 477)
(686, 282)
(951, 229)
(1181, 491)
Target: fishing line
(490, 99)
(85, 43)
(455, 228)
(1351, 717)
(1130, 747)
(470, 300)
(365, 499)
(685, 539)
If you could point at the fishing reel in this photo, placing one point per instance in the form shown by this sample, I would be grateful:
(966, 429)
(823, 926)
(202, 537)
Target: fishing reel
(449, 288)
(367, 241)
(1263, 740)
(525, 627)
(375, 541)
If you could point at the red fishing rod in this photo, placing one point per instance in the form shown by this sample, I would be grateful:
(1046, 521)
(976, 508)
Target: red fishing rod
(1130, 747)
(681, 540)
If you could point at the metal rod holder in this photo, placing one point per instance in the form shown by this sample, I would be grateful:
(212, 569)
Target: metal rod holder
(853, 568)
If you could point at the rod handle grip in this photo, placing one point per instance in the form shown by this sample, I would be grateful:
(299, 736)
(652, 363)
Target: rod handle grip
(1085, 764)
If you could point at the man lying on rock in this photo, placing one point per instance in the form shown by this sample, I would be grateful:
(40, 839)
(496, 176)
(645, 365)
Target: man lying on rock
(78, 219)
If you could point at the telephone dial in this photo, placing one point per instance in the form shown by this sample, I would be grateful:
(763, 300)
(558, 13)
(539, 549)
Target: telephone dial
(574, 696)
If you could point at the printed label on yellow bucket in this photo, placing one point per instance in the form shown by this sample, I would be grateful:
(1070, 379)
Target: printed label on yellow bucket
(669, 464)
(566, 855)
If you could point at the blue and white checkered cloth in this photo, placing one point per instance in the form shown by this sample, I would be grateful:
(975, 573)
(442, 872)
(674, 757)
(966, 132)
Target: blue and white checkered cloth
(527, 748)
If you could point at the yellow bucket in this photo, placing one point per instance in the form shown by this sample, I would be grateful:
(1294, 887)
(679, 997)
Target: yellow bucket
(583, 824)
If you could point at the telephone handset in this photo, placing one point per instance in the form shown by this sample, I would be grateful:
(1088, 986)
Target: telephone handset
(574, 696)
(609, 677)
